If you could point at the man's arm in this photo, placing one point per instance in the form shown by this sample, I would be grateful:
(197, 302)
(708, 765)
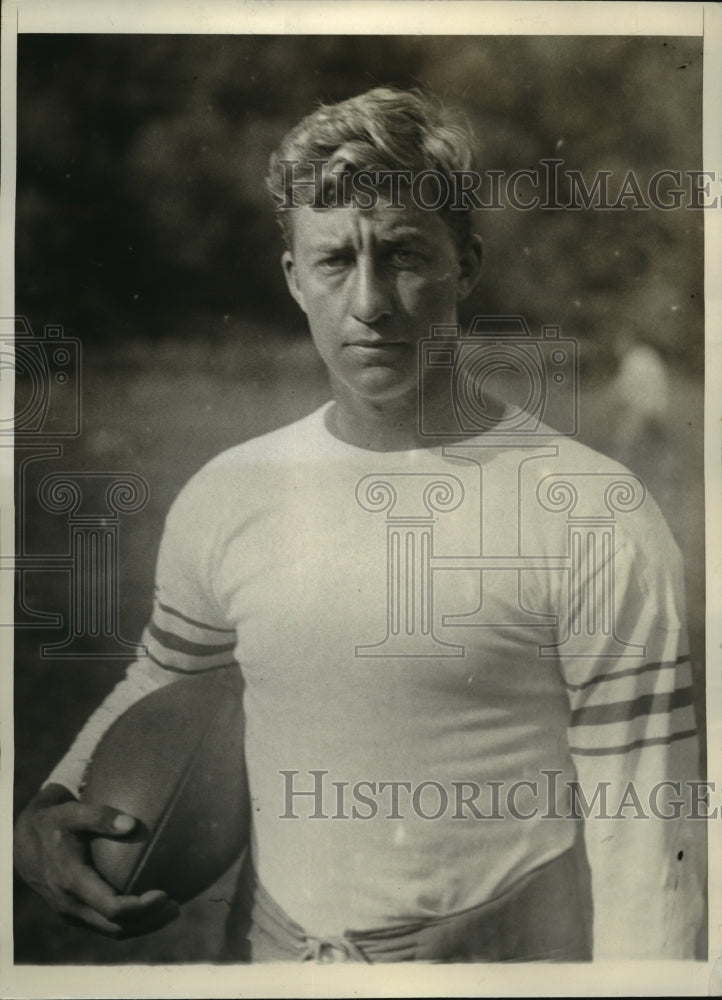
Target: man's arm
(633, 738)
(186, 634)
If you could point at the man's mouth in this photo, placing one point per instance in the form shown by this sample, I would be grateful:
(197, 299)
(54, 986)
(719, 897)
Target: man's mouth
(386, 353)
(377, 345)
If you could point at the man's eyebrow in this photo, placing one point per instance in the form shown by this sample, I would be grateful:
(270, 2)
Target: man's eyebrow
(405, 234)
(393, 237)
(336, 246)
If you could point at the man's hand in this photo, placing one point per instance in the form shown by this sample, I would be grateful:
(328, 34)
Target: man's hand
(52, 856)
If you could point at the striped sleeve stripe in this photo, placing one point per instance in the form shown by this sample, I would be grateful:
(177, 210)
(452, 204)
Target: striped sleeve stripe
(192, 621)
(623, 711)
(688, 734)
(179, 644)
(191, 633)
(631, 672)
(629, 688)
(172, 659)
(176, 651)
(642, 727)
(191, 670)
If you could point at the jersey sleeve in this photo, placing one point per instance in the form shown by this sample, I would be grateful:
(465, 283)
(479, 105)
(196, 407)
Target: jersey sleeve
(187, 632)
(633, 739)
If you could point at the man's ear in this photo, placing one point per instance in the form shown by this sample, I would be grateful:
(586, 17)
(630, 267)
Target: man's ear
(289, 273)
(469, 266)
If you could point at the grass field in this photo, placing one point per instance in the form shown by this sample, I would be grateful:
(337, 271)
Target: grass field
(160, 411)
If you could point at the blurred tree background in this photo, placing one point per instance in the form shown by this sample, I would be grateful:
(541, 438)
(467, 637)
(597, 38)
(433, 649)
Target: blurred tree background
(143, 227)
(142, 211)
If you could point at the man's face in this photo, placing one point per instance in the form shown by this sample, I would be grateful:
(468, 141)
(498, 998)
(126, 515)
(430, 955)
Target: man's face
(372, 283)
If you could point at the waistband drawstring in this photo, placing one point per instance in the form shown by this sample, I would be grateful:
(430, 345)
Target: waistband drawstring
(332, 949)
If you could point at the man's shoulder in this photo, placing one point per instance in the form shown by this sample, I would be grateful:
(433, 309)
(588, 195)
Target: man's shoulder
(274, 448)
(244, 467)
(568, 453)
(553, 453)
(584, 486)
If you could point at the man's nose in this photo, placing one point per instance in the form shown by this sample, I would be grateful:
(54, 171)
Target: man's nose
(372, 297)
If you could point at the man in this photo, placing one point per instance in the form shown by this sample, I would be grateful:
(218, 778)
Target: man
(445, 613)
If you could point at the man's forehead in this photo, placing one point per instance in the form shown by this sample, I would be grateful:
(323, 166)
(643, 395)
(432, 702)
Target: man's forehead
(349, 222)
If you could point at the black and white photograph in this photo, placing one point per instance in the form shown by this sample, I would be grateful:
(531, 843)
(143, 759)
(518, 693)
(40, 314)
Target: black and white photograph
(360, 391)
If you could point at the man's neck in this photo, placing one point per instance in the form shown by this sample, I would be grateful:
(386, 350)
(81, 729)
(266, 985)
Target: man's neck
(377, 428)
(396, 425)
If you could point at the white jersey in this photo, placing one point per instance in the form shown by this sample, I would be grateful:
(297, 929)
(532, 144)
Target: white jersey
(436, 644)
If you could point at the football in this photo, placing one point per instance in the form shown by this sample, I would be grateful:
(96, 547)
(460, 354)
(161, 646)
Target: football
(175, 762)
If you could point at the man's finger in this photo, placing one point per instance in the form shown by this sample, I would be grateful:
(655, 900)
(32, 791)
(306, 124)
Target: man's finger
(89, 888)
(80, 915)
(83, 916)
(81, 816)
(151, 921)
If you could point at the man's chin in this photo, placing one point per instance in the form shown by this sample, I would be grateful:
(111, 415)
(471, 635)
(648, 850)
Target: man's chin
(380, 385)
(388, 389)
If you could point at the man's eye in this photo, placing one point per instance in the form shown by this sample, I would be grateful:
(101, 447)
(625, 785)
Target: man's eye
(334, 262)
(407, 258)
